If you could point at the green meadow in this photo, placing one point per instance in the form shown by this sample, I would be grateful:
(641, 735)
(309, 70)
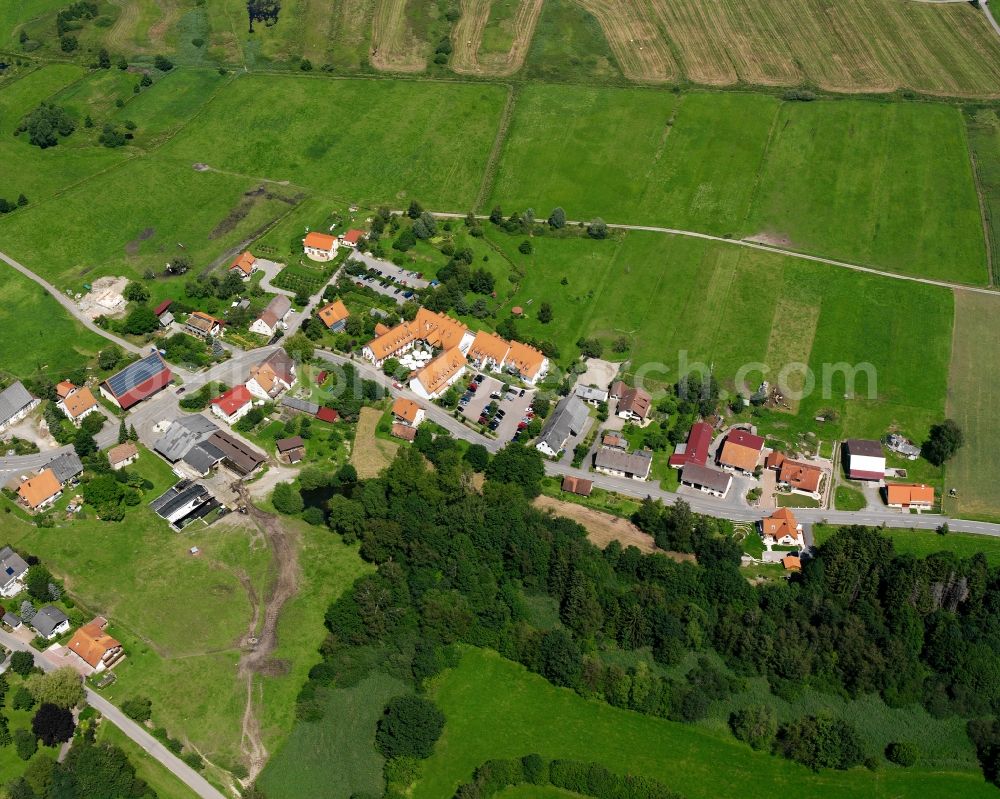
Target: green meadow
(727, 307)
(921, 543)
(367, 141)
(495, 708)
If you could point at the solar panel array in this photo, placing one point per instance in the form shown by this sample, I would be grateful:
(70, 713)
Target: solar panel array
(135, 374)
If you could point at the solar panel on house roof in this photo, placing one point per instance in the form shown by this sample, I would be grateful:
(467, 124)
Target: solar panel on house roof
(135, 374)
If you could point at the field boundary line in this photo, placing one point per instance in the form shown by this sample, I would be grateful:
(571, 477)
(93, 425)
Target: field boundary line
(499, 140)
(765, 154)
(984, 212)
(753, 245)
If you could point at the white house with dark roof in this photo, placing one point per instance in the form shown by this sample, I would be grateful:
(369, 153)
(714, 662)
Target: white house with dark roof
(12, 570)
(50, 622)
(272, 318)
(15, 404)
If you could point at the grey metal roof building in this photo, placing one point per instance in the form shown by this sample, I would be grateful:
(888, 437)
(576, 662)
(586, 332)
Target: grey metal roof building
(66, 466)
(14, 399)
(202, 457)
(183, 434)
(300, 405)
(631, 464)
(569, 418)
(241, 457)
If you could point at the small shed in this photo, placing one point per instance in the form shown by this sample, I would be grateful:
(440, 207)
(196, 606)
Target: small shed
(293, 449)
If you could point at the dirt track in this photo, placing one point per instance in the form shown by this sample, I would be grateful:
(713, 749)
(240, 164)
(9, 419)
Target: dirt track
(467, 38)
(261, 638)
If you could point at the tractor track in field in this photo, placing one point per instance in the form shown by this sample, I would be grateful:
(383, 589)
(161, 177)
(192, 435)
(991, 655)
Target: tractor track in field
(467, 36)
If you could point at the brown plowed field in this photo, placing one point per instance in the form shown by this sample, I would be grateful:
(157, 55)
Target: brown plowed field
(468, 33)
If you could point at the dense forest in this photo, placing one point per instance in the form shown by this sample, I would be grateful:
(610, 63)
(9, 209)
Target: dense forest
(455, 565)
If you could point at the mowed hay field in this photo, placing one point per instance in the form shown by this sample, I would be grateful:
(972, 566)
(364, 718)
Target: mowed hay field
(677, 298)
(496, 709)
(362, 140)
(974, 402)
(885, 184)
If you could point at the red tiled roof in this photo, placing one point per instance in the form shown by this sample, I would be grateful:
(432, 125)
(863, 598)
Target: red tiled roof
(161, 309)
(404, 431)
(325, 414)
(698, 442)
(577, 485)
(234, 399)
(318, 241)
(746, 439)
(909, 494)
(244, 263)
(353, 236)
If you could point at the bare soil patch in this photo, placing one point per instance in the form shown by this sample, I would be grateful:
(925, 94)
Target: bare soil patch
(603, 528)
(132, 248)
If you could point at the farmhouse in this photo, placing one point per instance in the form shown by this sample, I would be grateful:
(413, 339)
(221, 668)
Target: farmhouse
(15, 404)
(137, 381)
(403, 431)
(50, 622)
(272, 376)
(319, 246)
(864, 459)
(233, 405)
(124, 454)
(909, 495)
(272, 318)
(634, 465)
(407, 412)
(577, 485)
(352, 237)
(92, 644)
(291, 449)
(781, 528)
(706, 480)
(203, 325)
(40, 491)
(244, 265)
(633, 403)
(78, 404)
(334, 315)
(433, 380)
(741, 451)
(570, 418)
(695, 450)
(12, 569)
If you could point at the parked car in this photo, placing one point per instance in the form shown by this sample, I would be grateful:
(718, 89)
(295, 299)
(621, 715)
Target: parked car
(501, 413)
(473, 387)
(522, 393)
(479, 378)
(494, 425)
(495, 395)
(396, 384)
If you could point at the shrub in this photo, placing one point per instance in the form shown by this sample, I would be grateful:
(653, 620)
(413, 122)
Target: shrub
(409, 727)
(755, 725)
(821, 742)
(22, 663)
(138, 708)
(902, 753)
(25, 743)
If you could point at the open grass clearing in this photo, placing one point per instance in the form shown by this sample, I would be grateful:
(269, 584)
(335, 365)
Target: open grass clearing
(401, 139)
(921, 543)
(973, 402)
(371, 454)
(569, 45)
(138, 217)
(495, 708)
(335, 757)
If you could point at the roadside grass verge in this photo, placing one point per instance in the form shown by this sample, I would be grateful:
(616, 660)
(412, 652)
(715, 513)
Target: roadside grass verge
(921, 543)
(846, 498)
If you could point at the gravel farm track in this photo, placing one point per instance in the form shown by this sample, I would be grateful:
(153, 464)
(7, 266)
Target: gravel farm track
(466, 37)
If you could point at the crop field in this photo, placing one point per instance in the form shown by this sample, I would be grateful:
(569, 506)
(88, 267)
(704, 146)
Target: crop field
(888, 184)
(983, 127)
(884, 184)
(395, 45)
(394, 139)
(300, 279)
(973, 399)
(495, 708)
(633, 35)
(569, 45)
(492, 37)
(679, 300)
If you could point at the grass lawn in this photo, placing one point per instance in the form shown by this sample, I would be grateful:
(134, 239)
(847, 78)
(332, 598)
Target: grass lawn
(166, 785)
(973, 399)
(40, 337)
(795, 501)
(134, 218)
(389, 141)
(847, 498)
(495, 708)
(887, 184)
(327, 568)
(983, 128)
(335, 757)
(921, 543)
(371, 454)
(683, 301)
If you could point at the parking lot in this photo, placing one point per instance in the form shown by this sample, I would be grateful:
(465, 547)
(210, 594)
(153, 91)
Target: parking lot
(513, 409)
